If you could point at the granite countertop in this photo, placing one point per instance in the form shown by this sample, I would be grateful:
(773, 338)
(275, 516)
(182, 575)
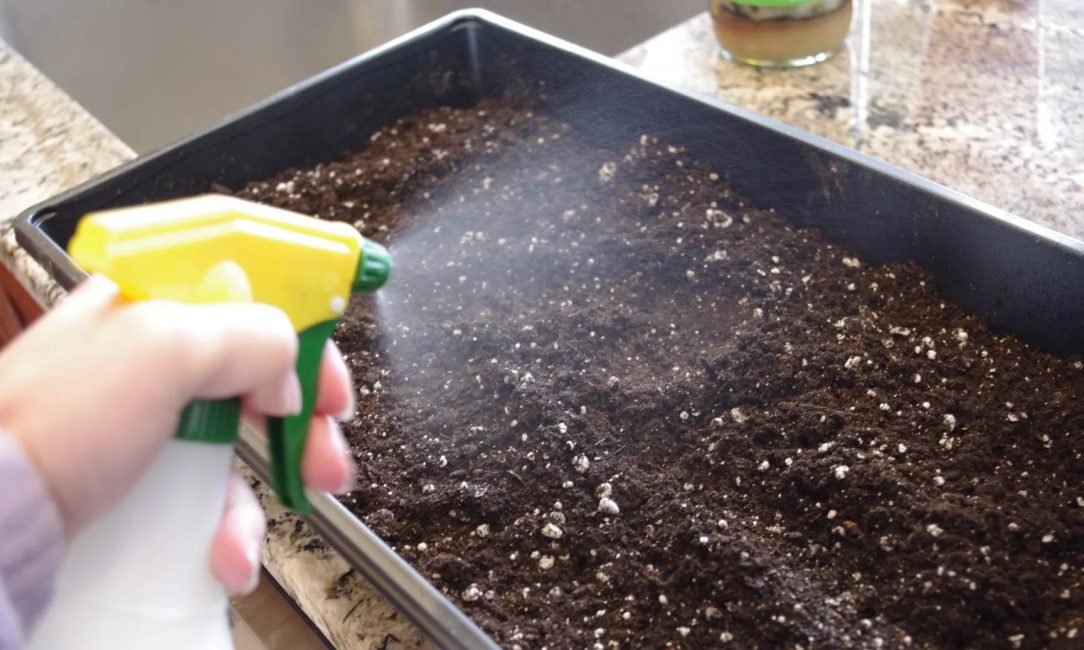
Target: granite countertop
(980, 95)
(48, 143)
(983, 96)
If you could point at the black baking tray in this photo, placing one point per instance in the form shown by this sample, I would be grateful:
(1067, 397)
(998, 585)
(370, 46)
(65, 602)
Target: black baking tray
(1023, 279)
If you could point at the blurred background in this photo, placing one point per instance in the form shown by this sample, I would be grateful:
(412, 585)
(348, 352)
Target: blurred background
(155, 70)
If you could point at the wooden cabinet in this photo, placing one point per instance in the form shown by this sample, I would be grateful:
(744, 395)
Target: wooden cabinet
(18, 308)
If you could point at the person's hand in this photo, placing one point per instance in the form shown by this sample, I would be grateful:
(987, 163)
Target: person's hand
(95, 388)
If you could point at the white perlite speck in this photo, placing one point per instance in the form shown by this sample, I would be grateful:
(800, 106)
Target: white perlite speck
(482, 530)
(841, 471)
(719, 218)
(562, 427)
(608, 506)
(607, 172)
(934, 530)
(950, 421)
(471, 593)
(551, 531)
(851, 262)
(852, 362)
(603, 490)
(684, 631)
(581, 463)
(763, 466)
(726, 637)
(545, 562)
(737, 415)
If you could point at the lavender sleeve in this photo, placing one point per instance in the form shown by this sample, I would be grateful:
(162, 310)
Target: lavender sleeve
(31, 544)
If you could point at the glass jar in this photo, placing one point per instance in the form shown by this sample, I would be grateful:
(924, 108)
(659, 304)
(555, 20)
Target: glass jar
(780, 33)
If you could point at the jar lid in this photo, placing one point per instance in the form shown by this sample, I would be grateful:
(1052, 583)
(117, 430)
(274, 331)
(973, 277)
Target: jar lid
(772, 3)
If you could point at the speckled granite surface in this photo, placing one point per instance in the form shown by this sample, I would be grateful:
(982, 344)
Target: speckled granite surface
(48, 143)
(984, 96)
(981, 95)
(349, 612)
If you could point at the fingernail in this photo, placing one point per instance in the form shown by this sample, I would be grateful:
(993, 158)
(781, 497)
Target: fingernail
(339, 440)
(291, 394)
(351, 483)
(251, 585)
(351, 409)
(98, 285)
(255, 528)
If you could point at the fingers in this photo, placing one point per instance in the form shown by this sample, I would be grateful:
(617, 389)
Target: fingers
(327, 463)
(213, 351)
(277, 398)
(220, 350)
(235, 552)
(250, 348)
(334, 391)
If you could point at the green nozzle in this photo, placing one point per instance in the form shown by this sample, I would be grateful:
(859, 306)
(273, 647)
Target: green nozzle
(373, 267)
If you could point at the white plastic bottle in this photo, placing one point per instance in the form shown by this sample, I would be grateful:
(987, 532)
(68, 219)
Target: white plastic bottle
(140, 577)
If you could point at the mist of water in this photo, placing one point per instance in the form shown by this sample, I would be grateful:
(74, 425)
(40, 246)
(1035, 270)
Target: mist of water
(506, 249)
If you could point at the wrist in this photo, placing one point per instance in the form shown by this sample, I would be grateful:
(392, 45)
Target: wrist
(35, 542)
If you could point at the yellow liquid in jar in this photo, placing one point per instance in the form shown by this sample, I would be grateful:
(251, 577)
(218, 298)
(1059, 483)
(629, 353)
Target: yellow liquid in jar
(783, 41)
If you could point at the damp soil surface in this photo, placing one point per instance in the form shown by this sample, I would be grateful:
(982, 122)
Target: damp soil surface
(603, 402)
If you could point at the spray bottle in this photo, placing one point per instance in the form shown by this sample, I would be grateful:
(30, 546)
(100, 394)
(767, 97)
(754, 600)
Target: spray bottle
(140, 577)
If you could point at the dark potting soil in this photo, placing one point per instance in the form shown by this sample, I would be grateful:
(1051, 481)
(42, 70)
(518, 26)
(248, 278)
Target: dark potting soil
(605, 403)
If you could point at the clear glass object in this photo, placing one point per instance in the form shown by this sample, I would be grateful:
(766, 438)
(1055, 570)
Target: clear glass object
(780, 33)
